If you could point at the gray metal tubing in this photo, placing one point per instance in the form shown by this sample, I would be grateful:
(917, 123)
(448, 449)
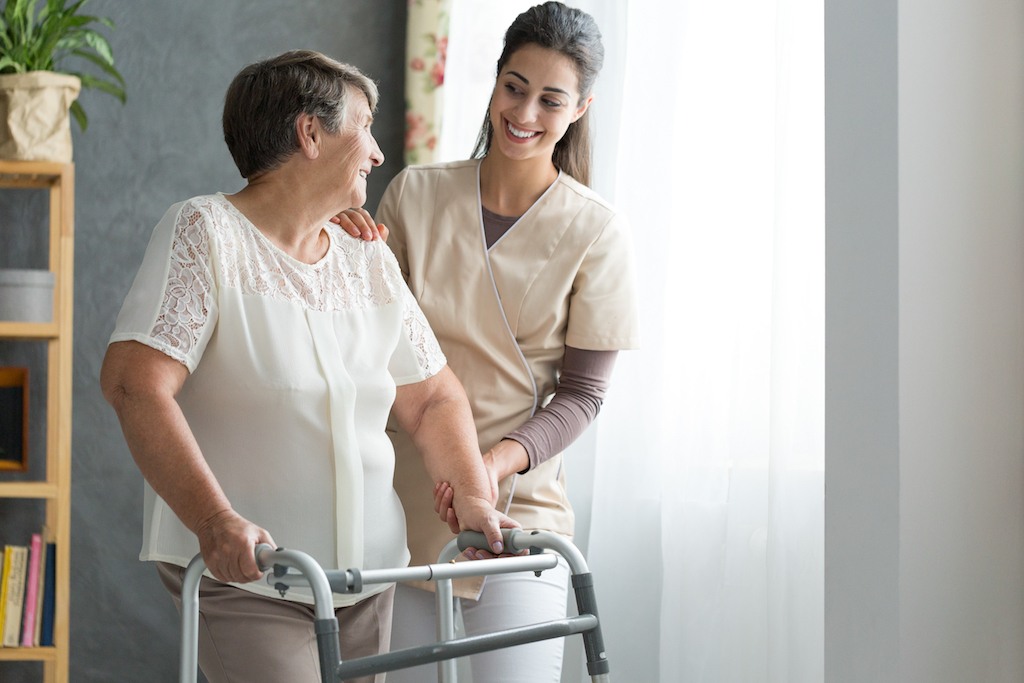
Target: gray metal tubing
(431, 572)
(326, 623)
(189, 663)
(517, 540)
(445, 600)
(415, 656)
(267, 557)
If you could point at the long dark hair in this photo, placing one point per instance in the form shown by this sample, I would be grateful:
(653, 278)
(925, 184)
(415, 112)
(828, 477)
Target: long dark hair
(570, 32)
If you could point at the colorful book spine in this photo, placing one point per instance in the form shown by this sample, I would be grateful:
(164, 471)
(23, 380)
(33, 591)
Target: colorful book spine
(28, 627)
(46, 637)
(42, 586)
(3, 586)
(14, 600)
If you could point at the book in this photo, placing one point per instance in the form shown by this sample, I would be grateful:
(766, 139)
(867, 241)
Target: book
(14, 596)
(3, 585)
(28, 624)
(46, 538)
(46, 635)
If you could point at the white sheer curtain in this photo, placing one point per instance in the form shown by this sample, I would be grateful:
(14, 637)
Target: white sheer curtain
(704, 478)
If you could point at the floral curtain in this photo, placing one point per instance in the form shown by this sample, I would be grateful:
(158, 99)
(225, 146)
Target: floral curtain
(426, 50)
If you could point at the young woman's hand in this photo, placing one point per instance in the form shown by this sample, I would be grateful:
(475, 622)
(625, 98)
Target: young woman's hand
(359, 223)
(443, 496)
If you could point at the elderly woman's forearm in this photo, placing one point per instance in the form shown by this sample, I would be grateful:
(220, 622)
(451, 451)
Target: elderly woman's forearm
(437, 416)
(166, 453)
(140, 383)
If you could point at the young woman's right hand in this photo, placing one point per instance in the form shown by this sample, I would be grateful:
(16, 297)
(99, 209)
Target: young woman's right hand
(359, 223)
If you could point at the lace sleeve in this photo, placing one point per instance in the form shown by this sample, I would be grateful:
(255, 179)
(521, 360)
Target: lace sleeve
(418, 336)
(424, 343)
(188, 300)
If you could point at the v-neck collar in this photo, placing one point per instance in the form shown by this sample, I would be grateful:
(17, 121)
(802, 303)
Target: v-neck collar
(480, 209)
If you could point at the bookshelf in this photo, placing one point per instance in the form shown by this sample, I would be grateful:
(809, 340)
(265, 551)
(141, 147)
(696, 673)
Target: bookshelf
(55, 490)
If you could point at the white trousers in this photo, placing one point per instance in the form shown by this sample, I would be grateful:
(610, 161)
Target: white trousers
(507, 601)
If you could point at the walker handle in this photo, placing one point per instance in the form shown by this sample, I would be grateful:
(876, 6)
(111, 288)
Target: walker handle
(262, 548)
(476, 539)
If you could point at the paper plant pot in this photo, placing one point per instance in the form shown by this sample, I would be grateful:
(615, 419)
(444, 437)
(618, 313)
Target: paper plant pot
(34, 121)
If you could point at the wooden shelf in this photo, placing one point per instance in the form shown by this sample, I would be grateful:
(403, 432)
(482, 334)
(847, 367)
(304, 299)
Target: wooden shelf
(59, 180)
(28, 654)
(12, 330)
(28, 489)
(40, 174)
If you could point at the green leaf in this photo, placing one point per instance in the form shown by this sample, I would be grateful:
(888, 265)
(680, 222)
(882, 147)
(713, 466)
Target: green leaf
(97, 42)
(79, 114)
(30, 13)
(70, 42)
(90, 81)
(6, 62)
(100, 63)
(68, 11)
(12, 11)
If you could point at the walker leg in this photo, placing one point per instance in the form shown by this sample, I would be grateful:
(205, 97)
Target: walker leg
(190, 620)
(445, 600)
(593, 641)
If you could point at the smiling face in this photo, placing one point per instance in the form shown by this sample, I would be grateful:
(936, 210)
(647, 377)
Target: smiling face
(535, 99)
(353, 152)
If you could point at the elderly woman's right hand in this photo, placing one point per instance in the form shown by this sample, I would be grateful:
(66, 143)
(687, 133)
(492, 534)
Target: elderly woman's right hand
(228, 544)
(359, 223)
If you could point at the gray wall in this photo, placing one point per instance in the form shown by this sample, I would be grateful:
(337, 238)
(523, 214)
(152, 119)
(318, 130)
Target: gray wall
(132, 164)
(861, 343)
(961, 289)
(924, 531)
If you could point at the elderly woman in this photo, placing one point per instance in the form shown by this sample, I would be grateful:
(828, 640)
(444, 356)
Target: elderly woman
(253, 367)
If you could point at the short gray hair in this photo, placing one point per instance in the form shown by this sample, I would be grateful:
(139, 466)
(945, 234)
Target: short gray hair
(265, 98)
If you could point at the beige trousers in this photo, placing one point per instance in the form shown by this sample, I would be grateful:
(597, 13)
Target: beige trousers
(249, 638)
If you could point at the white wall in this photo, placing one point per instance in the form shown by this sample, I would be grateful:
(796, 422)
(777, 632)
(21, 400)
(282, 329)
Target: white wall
(925, 341)
(961, 347)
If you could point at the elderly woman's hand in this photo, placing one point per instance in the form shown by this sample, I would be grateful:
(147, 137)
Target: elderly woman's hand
(443, 498)
(228, 542)
(359, 223)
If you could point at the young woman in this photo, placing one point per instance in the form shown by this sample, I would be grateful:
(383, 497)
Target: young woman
(526, 277)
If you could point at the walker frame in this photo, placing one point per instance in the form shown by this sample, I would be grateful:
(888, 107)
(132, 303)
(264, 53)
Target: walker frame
(333, 669)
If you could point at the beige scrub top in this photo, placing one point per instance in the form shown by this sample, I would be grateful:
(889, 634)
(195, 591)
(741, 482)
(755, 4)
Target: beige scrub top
(562, 275)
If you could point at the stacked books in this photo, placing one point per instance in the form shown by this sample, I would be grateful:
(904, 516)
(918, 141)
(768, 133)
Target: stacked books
(27, 592)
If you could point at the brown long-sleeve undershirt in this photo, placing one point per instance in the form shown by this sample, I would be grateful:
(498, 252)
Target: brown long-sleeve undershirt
(582, 385)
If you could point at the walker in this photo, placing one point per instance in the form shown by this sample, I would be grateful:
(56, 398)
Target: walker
(333, 670)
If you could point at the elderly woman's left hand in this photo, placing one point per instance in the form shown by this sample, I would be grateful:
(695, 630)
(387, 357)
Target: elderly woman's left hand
(359, 223)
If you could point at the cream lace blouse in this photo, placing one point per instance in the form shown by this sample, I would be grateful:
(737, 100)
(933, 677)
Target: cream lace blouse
(293, 373)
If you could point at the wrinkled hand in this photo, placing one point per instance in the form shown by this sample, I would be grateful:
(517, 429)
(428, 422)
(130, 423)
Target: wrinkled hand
(228, 544)
(477, 514)
(359, 223)
(444, 494)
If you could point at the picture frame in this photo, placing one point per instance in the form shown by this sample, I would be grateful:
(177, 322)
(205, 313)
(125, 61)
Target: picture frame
(13, 419)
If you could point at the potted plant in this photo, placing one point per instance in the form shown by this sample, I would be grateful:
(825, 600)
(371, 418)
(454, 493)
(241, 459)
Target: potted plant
(36, 95)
